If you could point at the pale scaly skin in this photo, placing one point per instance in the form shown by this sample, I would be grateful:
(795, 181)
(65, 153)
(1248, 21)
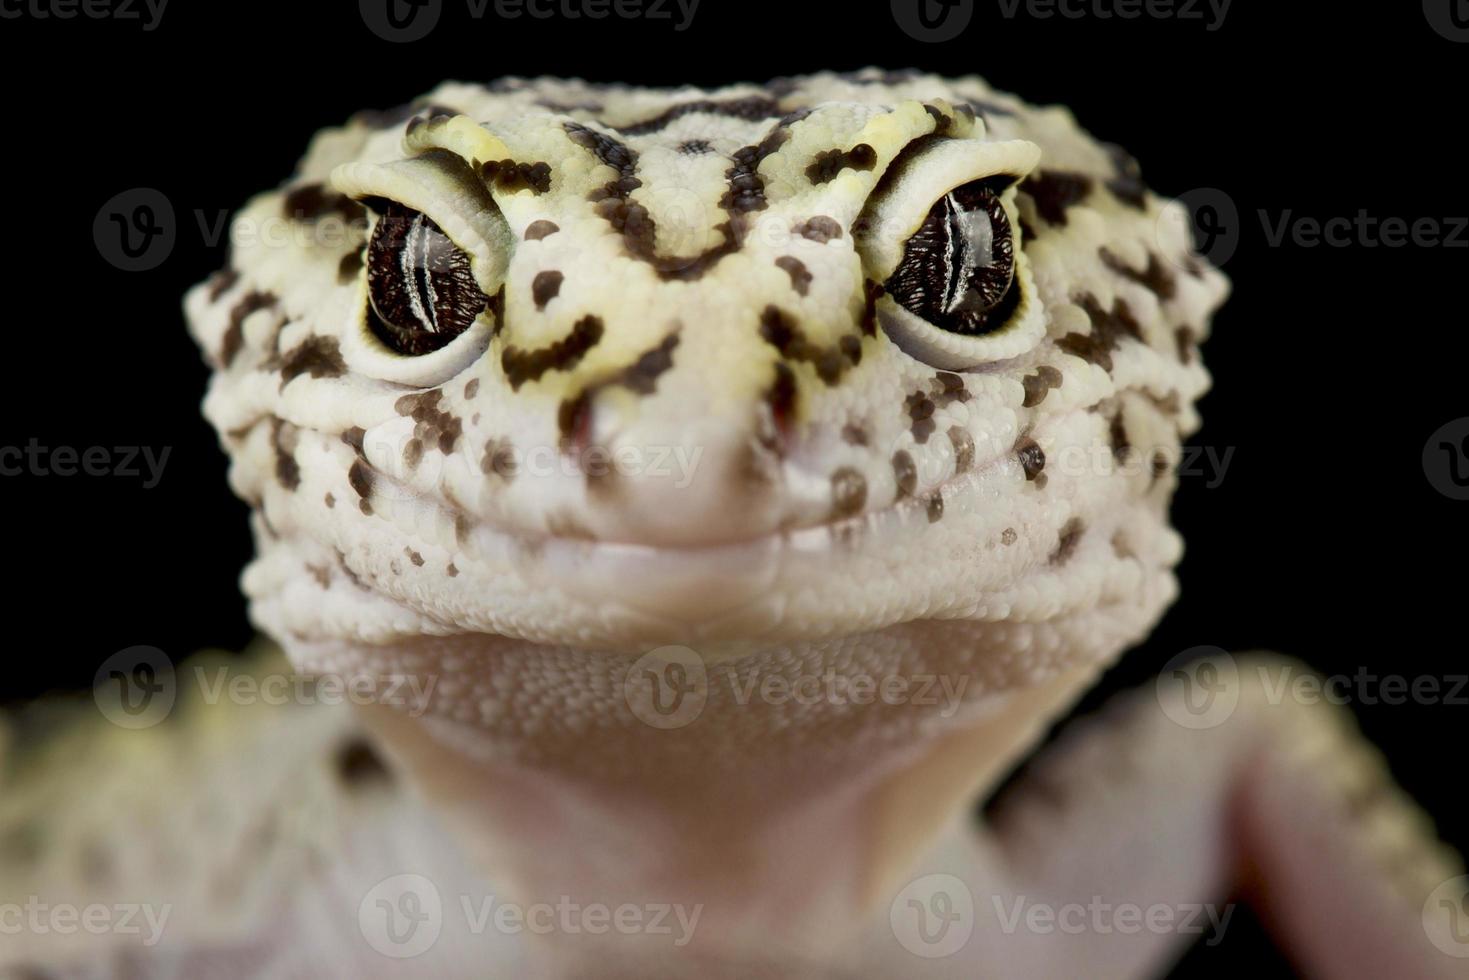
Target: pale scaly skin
(812, 483)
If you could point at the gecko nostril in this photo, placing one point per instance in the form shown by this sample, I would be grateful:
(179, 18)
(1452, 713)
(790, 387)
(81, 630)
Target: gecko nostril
(358, 765)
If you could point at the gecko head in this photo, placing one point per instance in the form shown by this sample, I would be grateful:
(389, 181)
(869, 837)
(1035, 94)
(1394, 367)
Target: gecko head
(610, 366)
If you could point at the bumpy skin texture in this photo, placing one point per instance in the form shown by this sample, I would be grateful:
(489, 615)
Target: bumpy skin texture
(807, 481)
(839, 483)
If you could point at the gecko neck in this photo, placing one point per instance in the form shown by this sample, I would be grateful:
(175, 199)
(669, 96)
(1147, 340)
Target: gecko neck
(787, 809)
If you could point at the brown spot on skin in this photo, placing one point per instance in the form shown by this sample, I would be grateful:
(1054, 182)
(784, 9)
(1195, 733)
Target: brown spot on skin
(854, 434)
(781, 331)
(1032, 458)
(359, 766)
(905, 473)
(574, 419)
(319, 357)
(353, 437)
(434, 427)
(963, 444)
(413, 453)
(936, 508)
(511, 177)
(949, 388)
(414, 557)
(545, 287)
(871, 293)
(920, 411)
(330, 501)
(848, 493)
(829, 163)
(1039, 385)
(1009, 537)
(750, 108)
(472, 388)
(322, 574)
(1121, 547)
(641, 376)
(234, 334)
(360, 479)
(1117, 433)
(284, 437)
(941, 122)
(819, 229)
(1127, 186)
(1160, 465)
(313, 202)
(221, 282)
(796, 269)
(1186, 339)
(537, 230)
(522, 366)
(781, 400)
(499, 459)
(452, 571)
(398, 115)
(1054, 192)
(350, 575)
(1066, 544)
(1169, 404)
(746, 187)
(350, 266)
(496, 307)
(1156, 277)
(1108, 329)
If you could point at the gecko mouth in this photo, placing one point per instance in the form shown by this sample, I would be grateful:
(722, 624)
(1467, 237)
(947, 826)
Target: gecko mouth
(972, 559)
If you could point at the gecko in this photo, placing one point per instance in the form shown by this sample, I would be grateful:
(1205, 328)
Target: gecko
(746, 479)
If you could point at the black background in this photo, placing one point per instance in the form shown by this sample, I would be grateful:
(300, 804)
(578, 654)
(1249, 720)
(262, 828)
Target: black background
(1333, 366)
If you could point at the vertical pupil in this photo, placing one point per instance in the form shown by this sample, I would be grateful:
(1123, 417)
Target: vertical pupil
(421, 288)
(958, 268)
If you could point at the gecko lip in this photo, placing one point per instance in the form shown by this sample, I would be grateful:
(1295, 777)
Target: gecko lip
(734, 590)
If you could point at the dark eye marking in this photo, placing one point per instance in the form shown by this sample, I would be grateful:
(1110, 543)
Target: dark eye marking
(958, 268)
(422, 291)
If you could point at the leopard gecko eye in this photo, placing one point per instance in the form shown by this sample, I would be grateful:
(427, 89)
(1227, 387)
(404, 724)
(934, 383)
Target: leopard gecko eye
(940, 233)
(958, 268)
(421, 290)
